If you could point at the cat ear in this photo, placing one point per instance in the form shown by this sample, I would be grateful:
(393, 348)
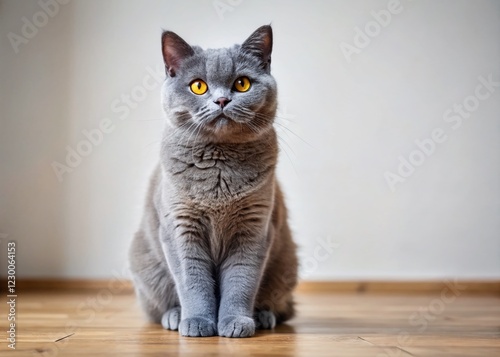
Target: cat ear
(175, 50)
(260, 44)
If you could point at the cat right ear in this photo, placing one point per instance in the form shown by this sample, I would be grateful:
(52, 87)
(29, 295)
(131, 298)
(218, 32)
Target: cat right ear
(175, 50)
(260, 44)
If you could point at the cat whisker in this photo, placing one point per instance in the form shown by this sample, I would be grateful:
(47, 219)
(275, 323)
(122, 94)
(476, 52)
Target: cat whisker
(262, 119)
(189, 130)
(286, 143)
(193, 126)
(284, 118)
(289, 159)
(182, 127)
(296, 135)
(192, 130)
(244, 110)
(261, 116)
(200, 126)
(253, 128)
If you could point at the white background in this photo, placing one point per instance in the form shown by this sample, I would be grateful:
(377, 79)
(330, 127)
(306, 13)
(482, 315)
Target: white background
(350, 121)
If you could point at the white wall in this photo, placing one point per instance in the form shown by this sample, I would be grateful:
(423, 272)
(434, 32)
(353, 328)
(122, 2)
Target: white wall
(350, 122)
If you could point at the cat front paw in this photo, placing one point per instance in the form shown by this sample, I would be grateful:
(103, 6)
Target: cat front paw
(170, 319)
(236, 326)
(265, 320)
(197, 327)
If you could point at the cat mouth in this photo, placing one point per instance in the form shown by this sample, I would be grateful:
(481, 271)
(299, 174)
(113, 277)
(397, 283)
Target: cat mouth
(221, 120)
(223, 124)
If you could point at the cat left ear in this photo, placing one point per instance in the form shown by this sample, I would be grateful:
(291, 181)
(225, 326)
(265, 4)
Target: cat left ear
(175, 50)
(260, 44)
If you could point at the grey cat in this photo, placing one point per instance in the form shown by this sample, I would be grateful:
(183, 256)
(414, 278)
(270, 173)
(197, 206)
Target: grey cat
(214, 253)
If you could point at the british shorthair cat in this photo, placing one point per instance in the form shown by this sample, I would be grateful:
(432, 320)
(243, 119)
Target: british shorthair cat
(214, 253)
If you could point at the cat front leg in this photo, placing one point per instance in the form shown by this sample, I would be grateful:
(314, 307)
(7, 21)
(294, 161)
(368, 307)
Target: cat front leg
(192, 269)
(239, 280)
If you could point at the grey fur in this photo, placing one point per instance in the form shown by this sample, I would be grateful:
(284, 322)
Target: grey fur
(214, 252)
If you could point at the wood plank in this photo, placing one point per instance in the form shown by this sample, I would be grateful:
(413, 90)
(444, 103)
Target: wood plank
(465, 287)
(491, 287)
(87, 323)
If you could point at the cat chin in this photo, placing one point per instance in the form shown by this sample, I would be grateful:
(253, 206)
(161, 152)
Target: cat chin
(221, 120)
(227, 130)
(222, 123)
(223, 127)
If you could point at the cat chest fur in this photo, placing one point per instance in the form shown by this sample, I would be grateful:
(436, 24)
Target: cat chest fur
(219, 174)
(219, 192)
(222, 225)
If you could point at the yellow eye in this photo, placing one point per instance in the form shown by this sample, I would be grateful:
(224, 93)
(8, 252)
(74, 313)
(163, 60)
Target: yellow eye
(242, 84)
(198, 87)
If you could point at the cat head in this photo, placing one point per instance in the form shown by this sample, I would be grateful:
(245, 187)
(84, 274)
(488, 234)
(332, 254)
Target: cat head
(225, 94)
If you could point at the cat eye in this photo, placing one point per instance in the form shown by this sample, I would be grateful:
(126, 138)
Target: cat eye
(198, 87)
(242, 84)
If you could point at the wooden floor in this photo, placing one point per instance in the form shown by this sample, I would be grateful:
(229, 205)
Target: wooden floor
(96, 323)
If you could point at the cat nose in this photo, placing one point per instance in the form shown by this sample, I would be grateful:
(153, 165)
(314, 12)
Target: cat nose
(222, 102)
